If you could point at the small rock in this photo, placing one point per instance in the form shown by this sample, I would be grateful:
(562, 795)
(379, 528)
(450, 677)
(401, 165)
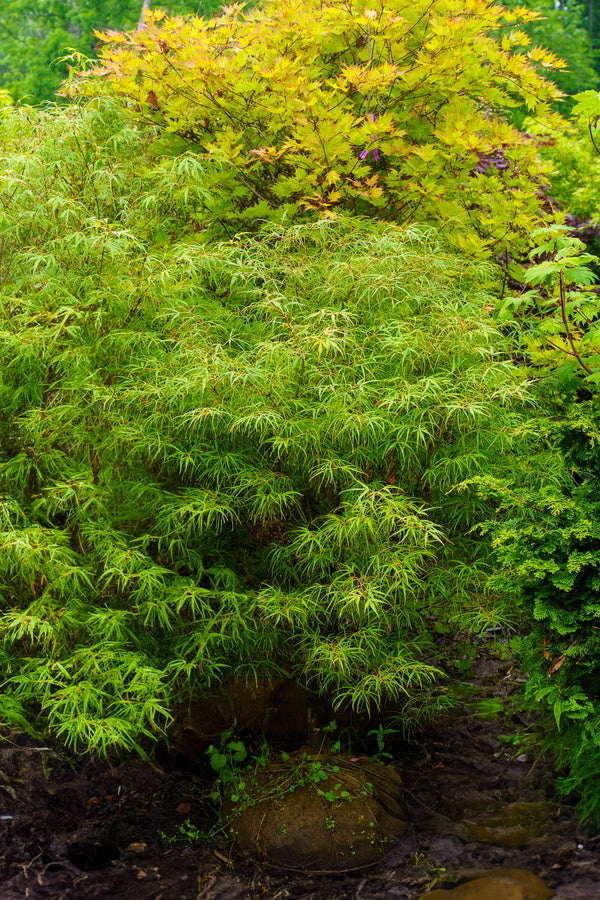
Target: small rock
(446, 850)
(498, 884)
(338, 825)
(137, 848)
(507, 824)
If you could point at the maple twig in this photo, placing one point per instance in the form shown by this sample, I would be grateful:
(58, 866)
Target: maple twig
(592, 135)
(563, 309)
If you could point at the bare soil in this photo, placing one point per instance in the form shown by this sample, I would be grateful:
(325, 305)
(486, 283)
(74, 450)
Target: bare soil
(76, 828)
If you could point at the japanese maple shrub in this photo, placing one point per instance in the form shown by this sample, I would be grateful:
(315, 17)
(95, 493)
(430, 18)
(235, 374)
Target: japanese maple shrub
(222, 459)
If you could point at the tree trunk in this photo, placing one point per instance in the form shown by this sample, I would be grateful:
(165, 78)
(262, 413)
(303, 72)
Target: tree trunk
(142, 20)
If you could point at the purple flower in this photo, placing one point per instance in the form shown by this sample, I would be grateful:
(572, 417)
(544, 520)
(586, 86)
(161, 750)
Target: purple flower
(364, 153)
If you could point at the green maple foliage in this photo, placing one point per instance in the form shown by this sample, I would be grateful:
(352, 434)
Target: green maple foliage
(222, 460)
(395, 110)
(556, 320)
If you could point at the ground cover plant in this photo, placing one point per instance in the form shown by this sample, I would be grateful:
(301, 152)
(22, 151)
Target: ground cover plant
(224, 459)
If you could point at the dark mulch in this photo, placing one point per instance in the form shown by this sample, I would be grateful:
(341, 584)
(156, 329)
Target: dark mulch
(78, 828)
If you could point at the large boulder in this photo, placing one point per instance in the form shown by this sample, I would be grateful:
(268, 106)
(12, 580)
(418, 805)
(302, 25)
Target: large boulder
(317, 813)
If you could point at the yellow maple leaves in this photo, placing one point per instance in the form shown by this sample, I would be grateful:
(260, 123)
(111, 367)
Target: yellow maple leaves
(295, 92)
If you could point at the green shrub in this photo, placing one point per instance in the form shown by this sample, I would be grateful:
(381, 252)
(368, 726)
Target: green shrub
(573, 150)
(574, 183)
(398, 112)
(223, 460)
(547, 548)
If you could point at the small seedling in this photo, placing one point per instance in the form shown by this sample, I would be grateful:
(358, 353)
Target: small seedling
(380, 733)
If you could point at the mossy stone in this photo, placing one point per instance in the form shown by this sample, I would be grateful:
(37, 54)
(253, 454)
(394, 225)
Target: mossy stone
(498, 884)
(292, 825)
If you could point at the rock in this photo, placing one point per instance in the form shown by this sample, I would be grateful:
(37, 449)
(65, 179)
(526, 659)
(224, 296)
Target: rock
(445, 850)
(498, 884)
(505, 824)
(274, 707)
(137, 848)
(318, 814)
(511, 824)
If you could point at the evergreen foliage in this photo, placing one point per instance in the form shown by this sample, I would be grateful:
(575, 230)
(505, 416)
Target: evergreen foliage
(546, 538)
(547, 548)
(398, 113)
(221, 460)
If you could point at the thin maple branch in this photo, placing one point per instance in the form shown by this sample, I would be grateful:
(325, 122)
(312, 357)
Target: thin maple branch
(563, 309)
(592, 135)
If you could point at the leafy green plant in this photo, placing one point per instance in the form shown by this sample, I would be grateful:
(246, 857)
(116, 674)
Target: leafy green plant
(302, 107)
(222, 460)
(235, 751)
(381, 734)
(547, 545)
(558, 322)
(226, 761)
(186, 831)
(321, 773)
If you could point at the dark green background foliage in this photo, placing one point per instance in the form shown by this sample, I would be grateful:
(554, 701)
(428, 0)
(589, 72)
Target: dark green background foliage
(224, 459)
(36, 34)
